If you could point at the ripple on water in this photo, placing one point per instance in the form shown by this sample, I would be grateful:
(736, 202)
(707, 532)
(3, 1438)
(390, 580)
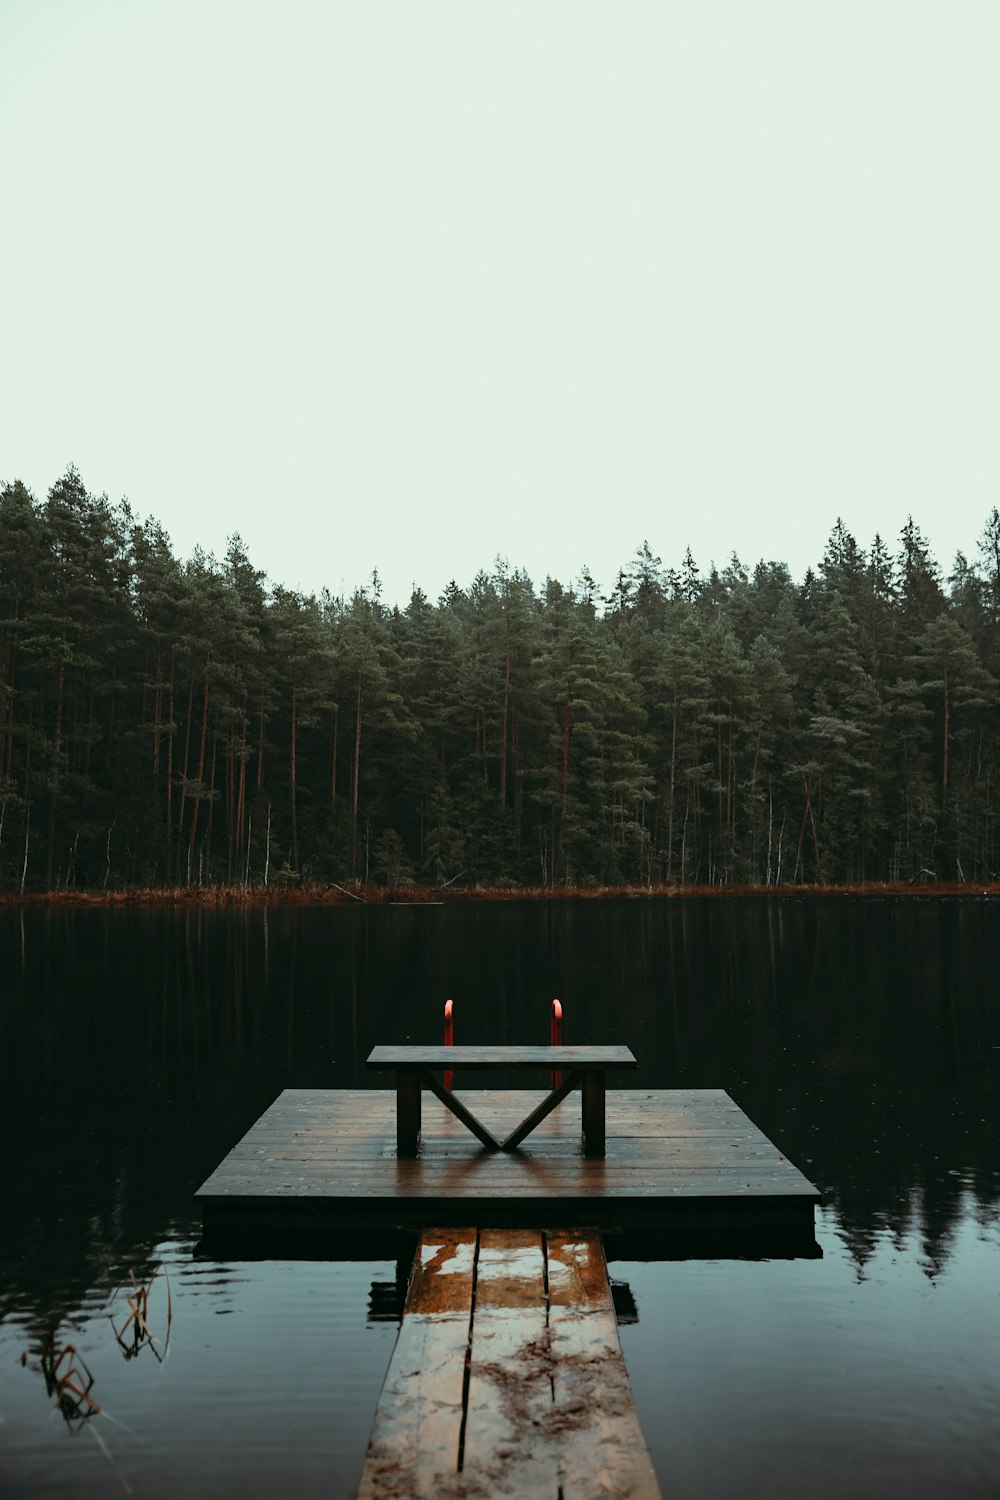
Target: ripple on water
(271, 1369)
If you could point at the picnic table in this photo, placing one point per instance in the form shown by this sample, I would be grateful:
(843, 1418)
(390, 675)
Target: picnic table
(585, 1068)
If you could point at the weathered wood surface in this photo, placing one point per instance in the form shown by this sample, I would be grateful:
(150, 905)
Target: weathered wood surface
(668, 1152)
(505, 1058)
(644, 1112)
(607, 1455)
(418, 1427)
(547, 1409)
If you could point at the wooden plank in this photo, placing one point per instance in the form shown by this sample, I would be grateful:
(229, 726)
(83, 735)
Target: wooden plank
(660, 1163)
(501, 1057)
(510, 1374)
(560, 1153)
(653, 1113)
(440, 1134)
(602, 1450)
(547, 1411)
(348, 1113)
(414, 1446)
(486, 1198)
(290, 1101)
(443, 1273)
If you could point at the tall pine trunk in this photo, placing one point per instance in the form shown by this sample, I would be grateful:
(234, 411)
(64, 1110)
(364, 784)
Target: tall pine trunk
(170, 767)
(356, 773)
(54, 781)
(203, 740)
(503, 725)
(564, 796)
(293, 728)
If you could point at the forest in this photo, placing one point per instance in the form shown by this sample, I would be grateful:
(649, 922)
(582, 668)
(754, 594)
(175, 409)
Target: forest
(169, 722)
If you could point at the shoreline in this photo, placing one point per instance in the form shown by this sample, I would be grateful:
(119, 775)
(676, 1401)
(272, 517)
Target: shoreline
(319, 894)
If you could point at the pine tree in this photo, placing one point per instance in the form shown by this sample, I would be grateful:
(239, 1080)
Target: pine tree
(950, 677)
(678, 723)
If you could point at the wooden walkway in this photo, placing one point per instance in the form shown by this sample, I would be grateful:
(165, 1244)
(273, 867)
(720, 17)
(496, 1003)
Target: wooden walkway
(324, 1163)
(507, 1377)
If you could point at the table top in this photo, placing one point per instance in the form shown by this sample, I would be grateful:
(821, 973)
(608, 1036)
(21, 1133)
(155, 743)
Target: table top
(501, 1057)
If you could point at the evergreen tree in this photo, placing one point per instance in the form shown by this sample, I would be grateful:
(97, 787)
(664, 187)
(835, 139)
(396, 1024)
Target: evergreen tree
(165, 721)
(771, 728)
(950, 677)
(678, 724)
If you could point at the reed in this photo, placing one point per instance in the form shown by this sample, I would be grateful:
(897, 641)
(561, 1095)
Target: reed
(320, 894)
(135, 1334)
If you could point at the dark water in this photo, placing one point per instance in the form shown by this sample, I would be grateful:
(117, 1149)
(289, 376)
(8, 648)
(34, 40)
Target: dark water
(862, 1036)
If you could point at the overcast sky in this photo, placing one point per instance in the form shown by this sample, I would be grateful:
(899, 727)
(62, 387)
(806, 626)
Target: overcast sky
(410, 285)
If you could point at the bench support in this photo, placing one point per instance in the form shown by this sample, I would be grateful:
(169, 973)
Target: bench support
(460, 1112)
(593, 1114)
(410, 1082)
(537, 1115)
(407, 1113)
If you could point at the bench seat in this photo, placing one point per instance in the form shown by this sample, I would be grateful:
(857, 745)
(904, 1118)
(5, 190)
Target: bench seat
(501, 1057)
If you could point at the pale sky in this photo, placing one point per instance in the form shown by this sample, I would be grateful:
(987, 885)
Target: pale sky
(410, 285)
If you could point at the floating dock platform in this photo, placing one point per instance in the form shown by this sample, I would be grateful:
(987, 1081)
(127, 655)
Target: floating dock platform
(684, 1170)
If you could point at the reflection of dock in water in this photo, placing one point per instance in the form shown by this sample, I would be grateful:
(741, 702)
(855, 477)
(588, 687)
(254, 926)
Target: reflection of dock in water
(508, 1375)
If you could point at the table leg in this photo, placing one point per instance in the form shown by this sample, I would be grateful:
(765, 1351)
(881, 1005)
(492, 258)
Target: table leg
(593, 1114)
(407, 1113)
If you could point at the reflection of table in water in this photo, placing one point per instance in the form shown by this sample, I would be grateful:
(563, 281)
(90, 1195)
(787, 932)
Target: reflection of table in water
(587, 1069)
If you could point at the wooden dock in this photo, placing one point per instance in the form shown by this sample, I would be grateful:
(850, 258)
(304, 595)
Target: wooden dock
(323, 1165)
(507, 1378)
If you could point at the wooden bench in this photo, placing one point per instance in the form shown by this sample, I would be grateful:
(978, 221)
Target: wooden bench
(586, 1068)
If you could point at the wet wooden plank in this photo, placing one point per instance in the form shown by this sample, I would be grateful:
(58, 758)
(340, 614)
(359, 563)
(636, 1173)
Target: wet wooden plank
(443, 1274)
(602, 1449)
(365, 1113)
(510, 1387)
(680, 1111)
(414, 1446)
(406, 1057)
(548, 1408)
(660, 1162)
(551, 1186)
(363, 1117)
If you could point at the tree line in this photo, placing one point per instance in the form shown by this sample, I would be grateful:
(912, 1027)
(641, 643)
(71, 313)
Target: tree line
(171, 722)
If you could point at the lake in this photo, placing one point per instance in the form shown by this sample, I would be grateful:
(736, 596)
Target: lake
(136, 1046)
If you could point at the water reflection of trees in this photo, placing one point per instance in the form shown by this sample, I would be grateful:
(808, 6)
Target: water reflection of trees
(861, 1037)
(136, 1047)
